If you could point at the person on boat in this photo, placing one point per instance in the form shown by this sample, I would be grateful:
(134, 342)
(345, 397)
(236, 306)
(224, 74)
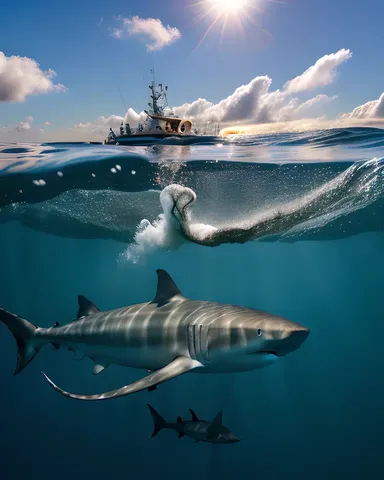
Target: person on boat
(112, 133)
(168, 127)
(121, 129)
(128, 129)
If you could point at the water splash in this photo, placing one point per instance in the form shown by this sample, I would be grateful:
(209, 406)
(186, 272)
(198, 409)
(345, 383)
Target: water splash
(357, 187)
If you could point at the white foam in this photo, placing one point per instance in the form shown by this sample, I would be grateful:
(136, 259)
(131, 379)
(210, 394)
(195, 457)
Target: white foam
(355, 188)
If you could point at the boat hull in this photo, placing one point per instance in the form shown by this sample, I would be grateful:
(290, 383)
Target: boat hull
(148, 139)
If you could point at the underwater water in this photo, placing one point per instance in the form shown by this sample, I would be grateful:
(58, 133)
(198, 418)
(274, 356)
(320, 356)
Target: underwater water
(291, 224)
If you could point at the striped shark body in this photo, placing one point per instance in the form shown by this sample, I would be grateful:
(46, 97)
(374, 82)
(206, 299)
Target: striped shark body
(169, 336)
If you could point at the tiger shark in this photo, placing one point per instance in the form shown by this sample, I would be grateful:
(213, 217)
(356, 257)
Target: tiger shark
(169, 336)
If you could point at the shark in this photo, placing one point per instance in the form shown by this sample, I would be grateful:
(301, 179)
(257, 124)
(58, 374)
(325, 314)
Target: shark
(198, 430)
(168, 337)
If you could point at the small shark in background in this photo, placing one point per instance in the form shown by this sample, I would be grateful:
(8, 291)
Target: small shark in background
(198, 430)
(169, 336)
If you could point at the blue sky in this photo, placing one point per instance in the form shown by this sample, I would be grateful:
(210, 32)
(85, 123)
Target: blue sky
(69, 38)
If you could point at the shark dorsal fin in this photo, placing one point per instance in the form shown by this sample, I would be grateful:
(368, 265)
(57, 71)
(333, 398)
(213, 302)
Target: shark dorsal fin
(218, 420)
(179, 420)
(167, 290)
(86, 307)
(214, 429)
(195, 418)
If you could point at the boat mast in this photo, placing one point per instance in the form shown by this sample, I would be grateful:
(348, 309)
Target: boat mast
(158, 96)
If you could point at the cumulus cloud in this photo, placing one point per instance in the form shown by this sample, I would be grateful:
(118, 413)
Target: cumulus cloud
(24, 125)
(111, 121)
(320, 74)
(369, 110)
(151, 30)
(254, 103)
(22, 76)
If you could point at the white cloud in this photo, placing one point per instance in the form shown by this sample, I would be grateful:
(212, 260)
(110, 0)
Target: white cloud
(46, 123)
(155, 35)
(101, 122)
(372, 109)
(320, 74)
(24, 125)
(22, 76)
(253, 103)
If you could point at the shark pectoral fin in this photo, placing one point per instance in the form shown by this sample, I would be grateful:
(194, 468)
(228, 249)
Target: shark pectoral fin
(98, 368)
(177, 367)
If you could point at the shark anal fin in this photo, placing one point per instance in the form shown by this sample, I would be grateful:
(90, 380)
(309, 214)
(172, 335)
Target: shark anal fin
(166, 289)
(177, 367)
(195, 418)
(86, 307)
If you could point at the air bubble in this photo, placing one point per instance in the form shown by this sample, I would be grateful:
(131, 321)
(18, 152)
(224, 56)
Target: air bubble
(39, 183)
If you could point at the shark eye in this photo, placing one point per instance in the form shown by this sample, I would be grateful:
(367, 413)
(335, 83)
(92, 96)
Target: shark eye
(259, 332)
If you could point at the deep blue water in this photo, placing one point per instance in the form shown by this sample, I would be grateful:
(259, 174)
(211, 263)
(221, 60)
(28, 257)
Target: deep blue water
(314, 414)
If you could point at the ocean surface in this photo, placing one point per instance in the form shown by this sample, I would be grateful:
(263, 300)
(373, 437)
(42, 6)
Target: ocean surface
(292, 224)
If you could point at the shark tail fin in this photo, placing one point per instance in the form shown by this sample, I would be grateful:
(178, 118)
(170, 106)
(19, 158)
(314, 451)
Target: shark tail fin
(158, 420)
(23, 332)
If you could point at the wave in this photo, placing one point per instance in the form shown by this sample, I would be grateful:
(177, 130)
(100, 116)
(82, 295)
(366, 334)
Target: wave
(354, 189)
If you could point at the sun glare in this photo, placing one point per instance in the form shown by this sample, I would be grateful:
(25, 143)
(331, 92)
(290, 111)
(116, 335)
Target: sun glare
(228, 14)
(228, 6)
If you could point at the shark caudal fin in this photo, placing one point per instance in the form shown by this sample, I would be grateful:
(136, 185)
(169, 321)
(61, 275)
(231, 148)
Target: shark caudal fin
(23, 332)
(158, 420)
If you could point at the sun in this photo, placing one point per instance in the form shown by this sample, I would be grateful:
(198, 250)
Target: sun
(228, 6)
(227, 14)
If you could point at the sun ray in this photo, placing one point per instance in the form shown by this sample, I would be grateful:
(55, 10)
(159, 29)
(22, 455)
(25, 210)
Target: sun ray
(231, 13)
(207, 32)
(223, 29)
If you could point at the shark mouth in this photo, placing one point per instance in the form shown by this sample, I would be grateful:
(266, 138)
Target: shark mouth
(265, 352)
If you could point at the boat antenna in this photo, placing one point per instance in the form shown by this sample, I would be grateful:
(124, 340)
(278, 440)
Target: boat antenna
(122, 98)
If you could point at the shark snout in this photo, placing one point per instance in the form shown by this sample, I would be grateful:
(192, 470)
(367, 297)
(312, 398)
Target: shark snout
(289, 341)
(294, 340)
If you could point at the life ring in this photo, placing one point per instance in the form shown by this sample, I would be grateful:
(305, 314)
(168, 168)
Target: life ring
(185, 126)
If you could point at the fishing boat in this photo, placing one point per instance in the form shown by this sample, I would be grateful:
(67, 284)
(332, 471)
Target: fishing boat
(160, 123)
